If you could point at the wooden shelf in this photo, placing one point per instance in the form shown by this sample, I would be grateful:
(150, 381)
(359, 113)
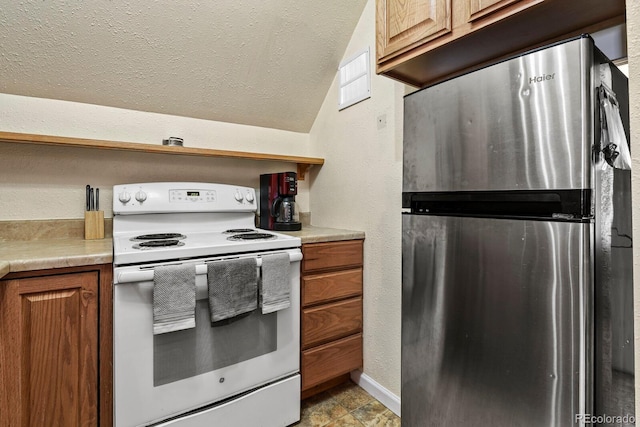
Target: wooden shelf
(303, 163)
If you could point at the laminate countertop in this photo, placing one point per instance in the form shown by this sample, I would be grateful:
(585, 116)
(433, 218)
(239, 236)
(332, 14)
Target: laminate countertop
(28, 255)
(313, 234)
(54, 253)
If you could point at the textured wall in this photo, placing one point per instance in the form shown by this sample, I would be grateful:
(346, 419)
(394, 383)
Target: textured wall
(267, 63)
(633, 49)
(360, 188)
(38, 182)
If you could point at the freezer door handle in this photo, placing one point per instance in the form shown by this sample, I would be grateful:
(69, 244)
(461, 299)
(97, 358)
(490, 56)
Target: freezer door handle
(543, 204)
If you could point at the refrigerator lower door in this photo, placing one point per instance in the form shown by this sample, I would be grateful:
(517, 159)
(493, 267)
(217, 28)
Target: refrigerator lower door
(495, 316)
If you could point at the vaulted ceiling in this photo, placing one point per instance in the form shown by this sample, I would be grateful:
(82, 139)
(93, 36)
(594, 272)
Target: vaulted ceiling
(266, 63)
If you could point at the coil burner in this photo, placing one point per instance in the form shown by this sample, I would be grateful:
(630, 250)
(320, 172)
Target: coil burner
(158, 236)
(151, 244)
(252, 236)
(239, 230)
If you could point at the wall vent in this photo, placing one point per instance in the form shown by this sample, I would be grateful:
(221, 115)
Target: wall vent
(355, 79)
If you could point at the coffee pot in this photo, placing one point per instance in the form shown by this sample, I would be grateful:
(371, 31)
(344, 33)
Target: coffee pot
(278, 210)
(284, 210)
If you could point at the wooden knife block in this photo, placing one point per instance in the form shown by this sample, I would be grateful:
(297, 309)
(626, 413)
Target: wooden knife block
(93, 225)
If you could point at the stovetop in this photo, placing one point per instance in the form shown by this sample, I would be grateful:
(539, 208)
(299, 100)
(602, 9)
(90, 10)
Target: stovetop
(129, 250)
(188, 220)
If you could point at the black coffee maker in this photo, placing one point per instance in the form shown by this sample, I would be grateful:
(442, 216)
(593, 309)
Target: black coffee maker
(278, 210)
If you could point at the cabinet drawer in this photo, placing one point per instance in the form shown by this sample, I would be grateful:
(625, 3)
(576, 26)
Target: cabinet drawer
(331, 321)
(331, 360)
(321, 256)
(331, 286)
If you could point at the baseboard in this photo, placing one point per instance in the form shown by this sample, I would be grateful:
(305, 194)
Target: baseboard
(383, 395)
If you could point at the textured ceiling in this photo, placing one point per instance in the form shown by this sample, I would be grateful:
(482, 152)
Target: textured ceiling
(259, 62)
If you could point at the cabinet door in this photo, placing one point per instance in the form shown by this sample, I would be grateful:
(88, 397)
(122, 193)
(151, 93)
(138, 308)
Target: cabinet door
(402, 23)
(477, 9)
(49, 350)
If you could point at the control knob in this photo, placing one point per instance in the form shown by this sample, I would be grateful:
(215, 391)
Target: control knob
(124, 197)
(141, 196)
(238, 196)
(249, 197)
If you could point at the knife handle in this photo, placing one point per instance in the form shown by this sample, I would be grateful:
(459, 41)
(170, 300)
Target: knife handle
(91, 201)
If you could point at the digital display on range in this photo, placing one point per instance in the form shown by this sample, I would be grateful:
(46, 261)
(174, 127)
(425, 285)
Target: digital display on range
(193, 194)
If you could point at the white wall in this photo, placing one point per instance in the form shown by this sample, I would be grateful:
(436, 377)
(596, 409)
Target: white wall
(359, 188)
(38, 182)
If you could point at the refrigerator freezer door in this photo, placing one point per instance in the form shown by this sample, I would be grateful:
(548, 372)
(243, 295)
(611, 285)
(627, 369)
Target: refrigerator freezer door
(522, 124)
(495, 317)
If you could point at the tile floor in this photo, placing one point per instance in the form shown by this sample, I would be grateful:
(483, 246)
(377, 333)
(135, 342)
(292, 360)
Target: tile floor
(346, 405)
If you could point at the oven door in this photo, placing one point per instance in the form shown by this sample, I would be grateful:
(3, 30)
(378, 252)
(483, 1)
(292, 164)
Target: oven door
(159, 377)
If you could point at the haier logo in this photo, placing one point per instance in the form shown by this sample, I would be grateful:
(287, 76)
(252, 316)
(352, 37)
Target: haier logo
(542, 78)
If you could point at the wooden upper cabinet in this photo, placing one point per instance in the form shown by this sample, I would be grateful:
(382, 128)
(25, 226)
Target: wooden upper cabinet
(422, 42)
(478, 9)
(403, 23)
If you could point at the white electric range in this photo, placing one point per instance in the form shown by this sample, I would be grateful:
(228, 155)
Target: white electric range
(245, 372)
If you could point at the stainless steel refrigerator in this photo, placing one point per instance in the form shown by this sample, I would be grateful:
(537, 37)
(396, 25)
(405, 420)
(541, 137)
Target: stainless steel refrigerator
(517, 306)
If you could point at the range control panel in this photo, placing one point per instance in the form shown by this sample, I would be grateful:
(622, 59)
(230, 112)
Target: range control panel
(192, 196)
(168, 197)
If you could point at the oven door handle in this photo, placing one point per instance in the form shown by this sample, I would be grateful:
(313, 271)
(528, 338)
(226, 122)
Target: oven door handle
(201, 269)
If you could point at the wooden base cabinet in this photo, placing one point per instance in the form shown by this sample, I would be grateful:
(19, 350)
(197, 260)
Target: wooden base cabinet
(55, 347)
(331, 318)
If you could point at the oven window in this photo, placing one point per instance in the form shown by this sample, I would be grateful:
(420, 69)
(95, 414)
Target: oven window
(184, 354)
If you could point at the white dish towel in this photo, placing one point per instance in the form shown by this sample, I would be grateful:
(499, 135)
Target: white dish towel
(276, 289)
(174, 298)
